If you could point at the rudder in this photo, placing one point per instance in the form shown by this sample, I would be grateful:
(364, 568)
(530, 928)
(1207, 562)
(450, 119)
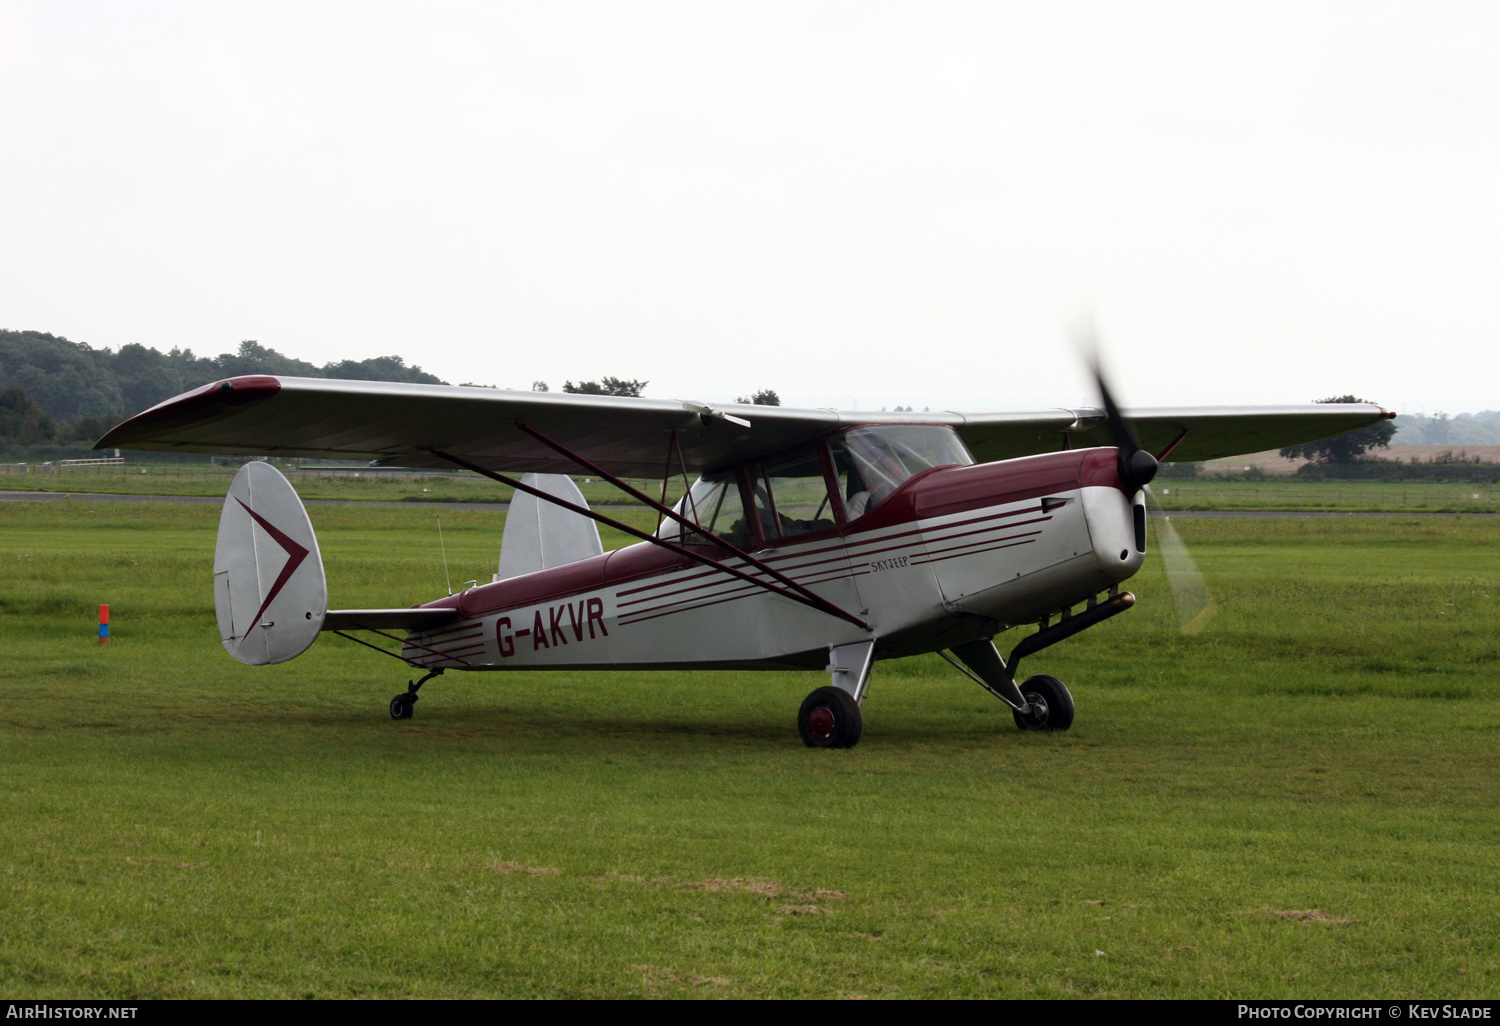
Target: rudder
(270, 594)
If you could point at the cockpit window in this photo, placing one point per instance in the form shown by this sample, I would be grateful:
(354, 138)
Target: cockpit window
(791, 495)
(872, 462)
(714, 504)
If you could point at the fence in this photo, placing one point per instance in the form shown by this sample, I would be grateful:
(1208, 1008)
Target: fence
(215, 471)
(1175, 496)
(1171, 494)
(61, 466)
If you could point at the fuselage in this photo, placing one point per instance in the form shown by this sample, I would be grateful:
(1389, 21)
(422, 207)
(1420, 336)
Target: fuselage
(954, 554)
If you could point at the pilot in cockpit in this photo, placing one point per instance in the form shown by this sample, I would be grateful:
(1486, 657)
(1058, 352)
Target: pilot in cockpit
(876, 473)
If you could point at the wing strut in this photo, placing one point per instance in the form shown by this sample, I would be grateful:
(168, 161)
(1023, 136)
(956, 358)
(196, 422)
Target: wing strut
(666, 477)
(1175, 443)
(817, 601)
(792, 590)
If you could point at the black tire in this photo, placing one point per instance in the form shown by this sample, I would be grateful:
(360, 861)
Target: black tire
(830, 718)
(1052, 693)
(401, 706)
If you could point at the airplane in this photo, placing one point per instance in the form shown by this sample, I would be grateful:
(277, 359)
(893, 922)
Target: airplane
(804, 538)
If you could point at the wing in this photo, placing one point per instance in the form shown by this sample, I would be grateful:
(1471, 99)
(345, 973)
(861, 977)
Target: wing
(1200, 432)
(404, 425)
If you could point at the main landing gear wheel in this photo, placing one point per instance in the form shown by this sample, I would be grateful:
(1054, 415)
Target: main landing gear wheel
(830, 718)
(1052, 705)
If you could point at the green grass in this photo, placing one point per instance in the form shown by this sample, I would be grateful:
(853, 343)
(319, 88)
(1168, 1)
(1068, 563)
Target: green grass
(1299, 802)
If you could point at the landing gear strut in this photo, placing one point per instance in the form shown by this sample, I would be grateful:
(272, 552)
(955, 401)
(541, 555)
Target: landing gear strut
(1041, 702)
(830, 717)
(401, 705)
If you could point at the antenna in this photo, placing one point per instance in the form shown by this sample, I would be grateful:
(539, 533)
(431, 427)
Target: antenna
(446, 582)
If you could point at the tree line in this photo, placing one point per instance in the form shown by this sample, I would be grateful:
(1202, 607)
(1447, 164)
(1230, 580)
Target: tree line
(54, 391)
(1440, 429)
(630, 386)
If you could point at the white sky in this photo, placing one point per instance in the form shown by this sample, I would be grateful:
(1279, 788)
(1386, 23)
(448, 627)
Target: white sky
(881, 203)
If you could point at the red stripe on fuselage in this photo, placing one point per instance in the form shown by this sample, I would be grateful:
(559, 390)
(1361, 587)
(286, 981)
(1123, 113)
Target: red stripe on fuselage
(973, 550)
(935, 493)
(855, 553)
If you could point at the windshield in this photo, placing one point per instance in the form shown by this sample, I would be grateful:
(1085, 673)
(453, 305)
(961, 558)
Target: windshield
(872, 462)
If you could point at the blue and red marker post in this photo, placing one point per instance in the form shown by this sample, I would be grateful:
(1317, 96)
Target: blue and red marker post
(103, 624)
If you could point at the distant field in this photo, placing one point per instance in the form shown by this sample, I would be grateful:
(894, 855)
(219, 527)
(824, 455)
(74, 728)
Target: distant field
(374, 486)
(1294, 494)
(1300, 802)
(1205, 493)
(1272, 463)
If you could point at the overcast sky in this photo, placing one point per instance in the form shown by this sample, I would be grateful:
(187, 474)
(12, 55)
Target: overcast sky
(851, 203)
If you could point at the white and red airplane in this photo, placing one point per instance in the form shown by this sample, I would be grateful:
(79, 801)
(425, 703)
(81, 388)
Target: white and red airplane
(810, 539)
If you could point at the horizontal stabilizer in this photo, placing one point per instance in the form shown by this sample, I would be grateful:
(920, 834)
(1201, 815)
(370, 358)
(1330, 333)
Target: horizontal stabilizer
(419, 619)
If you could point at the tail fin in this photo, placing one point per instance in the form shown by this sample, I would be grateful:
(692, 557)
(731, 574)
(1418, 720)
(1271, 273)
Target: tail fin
(269, 591)
(539, 534)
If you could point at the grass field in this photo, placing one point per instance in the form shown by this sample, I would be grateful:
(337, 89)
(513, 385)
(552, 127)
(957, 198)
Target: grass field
(372, 486)
(1301, 801)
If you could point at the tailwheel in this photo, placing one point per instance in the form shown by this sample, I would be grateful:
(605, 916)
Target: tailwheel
(830, 718)
(401, 705)
(1051, 704)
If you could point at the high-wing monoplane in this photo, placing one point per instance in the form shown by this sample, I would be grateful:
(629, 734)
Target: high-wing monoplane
(803, 539)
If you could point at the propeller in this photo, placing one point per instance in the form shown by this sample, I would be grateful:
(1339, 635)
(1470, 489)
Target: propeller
(1137, 466)
(1195, 606)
